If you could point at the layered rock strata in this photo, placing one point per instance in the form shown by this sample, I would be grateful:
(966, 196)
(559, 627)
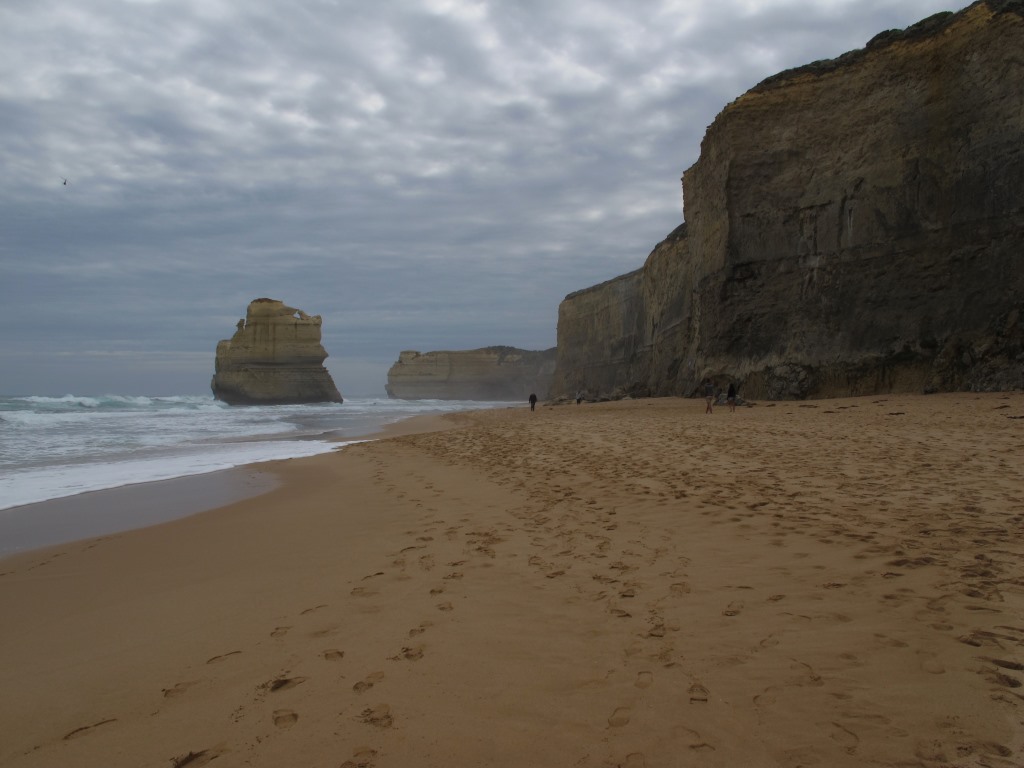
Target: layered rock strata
(274, 358)
(491, 373)
(855, 226)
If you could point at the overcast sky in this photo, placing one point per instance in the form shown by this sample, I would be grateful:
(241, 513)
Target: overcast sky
(424, 174)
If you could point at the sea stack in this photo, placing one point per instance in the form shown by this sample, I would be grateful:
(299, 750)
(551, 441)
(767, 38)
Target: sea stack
(274, 358)
(490, 373)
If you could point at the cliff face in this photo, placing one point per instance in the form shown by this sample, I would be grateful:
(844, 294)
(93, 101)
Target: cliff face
(274, 358)
(852, 227)
(491, 373)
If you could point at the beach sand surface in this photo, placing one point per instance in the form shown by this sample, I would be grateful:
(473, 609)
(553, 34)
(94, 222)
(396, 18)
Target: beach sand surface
(827, 583)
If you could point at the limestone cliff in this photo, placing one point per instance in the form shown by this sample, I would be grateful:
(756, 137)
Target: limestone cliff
(854, 226)
(491, 373)
(274, 358)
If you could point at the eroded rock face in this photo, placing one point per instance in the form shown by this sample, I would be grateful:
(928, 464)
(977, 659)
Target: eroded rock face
(274, 358)
(855, 226)
(491, 373)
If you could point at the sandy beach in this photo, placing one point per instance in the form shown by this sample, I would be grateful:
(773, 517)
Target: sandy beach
(825, 583)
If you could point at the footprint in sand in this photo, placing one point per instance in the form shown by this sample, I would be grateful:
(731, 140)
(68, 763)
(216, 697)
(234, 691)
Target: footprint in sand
(1003, 680)
(445, 607)
(87, 728)
(892, 642)
(280, 631)
(222, 657)
(1005, 664)
(423, 627)
(844, 736)
(333, 654)
(698, 694)
(196, 759)
(733, 609)
(979, 638)
(644, 680)
(693, 738)
(368, 682)
(852, 659)
(378, 716)
(314, 608)
(178, 689)
(658, 630)
(282, 683)
(361, 758)
(619, 718)
(766, 698)
(285, 718)
(409, 654)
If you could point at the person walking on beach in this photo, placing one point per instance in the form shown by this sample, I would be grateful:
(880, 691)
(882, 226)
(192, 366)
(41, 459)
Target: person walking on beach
(579, 396)
(730, 396)
(709, 395)
(533, 401)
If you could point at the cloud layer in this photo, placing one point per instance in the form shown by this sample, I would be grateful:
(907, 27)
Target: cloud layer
(425, 174)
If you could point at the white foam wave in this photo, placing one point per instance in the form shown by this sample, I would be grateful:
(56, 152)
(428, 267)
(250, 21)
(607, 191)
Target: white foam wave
(51, 443)
(66, 400)
(55, 482)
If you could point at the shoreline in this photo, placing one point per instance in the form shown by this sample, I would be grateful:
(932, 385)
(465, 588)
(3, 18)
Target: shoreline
(832, 582)
(92, 514)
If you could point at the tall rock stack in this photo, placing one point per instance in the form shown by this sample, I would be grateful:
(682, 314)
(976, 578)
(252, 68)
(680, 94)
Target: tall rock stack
(274, 358)
(853, 226)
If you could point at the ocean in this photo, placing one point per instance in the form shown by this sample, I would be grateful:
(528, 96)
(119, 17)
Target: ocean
(55, 447)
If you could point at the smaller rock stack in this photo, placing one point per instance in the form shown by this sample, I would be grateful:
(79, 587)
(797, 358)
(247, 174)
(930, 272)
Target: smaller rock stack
(490, 373)
(274, 358)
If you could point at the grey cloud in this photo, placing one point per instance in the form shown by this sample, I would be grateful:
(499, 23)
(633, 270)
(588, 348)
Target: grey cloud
(423, 173)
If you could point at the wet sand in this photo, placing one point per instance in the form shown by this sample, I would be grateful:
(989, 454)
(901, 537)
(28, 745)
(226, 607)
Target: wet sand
(100, 513)
(833, 583)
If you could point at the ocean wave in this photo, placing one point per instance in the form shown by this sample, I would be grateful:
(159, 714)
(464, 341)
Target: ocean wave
(112, 402)
(42, 432)
(59, 481)
(65, 401)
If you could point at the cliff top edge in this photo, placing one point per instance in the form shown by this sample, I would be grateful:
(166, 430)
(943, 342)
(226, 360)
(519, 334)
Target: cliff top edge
(926, 28)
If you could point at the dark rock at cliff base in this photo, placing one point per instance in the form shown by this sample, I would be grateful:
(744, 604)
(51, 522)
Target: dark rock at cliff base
(491, 373)
(853, 227)
(274, 358)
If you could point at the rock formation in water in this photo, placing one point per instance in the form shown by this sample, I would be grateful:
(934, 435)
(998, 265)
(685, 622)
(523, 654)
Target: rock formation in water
(855, 226)
(274, 358)
(491, 373)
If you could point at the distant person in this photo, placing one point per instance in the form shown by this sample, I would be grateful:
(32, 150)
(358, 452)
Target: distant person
(730, 397)
(579, 396)
(709, 395)
(533, 401)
